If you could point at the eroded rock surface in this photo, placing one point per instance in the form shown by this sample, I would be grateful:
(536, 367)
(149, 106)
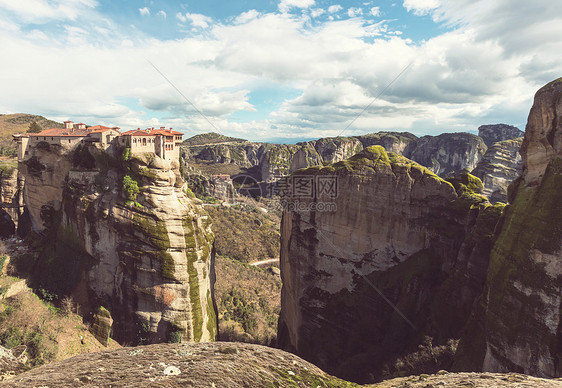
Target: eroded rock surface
(517, 323)
(149, 261)
(447, 153)
(500, 166)
(498, 132)
(365, 279)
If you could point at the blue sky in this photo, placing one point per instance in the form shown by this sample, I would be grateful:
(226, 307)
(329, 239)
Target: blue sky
(283, 69)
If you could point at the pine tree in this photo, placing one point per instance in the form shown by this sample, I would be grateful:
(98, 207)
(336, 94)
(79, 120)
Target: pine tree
(34, 128)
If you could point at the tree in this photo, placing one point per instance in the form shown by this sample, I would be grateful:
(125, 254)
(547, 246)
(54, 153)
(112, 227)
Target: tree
(130, 188)
(34, 127)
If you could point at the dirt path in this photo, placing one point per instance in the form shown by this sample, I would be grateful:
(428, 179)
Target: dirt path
(264, 262)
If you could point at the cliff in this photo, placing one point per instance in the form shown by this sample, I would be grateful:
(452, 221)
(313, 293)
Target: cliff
(500, 165)
(271, 162)
(448, 153)
(371, 271)
(11, 198)
(498, 132)
(517, 323)
(133, 244)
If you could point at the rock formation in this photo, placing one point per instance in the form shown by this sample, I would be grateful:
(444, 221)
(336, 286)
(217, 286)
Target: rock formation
(367, 277)
(517, 323)
(148, 260)
(448, 153)
(498, 132)
(402, 258)
(11, 186)
(233, 365)
(500, 166)
(275, 161)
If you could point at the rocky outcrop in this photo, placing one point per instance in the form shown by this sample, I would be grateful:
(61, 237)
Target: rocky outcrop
(517, 322)
(498, 132)
(233, 365)
(394, 142)
(371, 269)
(220, 364)
(210, 186)
(148, 259)
(11, 187)
(500, 166)
(275, 161)
(448, 153)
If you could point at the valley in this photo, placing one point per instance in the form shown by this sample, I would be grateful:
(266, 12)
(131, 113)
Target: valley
(382, 256)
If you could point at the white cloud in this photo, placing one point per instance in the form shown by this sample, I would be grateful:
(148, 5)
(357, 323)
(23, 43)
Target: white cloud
(196, 19)
(162, 14)
(317, 12)
(40, 11)
(420, 7)
(245, 17)
(375, 11)
(144, 11)
(334, 8)
(354, 11)
(181, 17)
(485, 68)
(286, 5)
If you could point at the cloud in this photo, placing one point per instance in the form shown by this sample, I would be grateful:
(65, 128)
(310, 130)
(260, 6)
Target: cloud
(196, 19)
(334, 8)
(420, 7)
(245, 17)
(286, 5)
(181, 17)
(317, 12)
(482, 67)
(375, 11)
(41, 11)
(144, 11)
(162, 14)
(353, 12)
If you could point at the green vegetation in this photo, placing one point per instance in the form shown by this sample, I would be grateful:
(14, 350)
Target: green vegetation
(16, 123)
(34, 128)
(49, 333)
(245, 233)
(248, 302)
(130, 188)
(210, 138)
(8, 166)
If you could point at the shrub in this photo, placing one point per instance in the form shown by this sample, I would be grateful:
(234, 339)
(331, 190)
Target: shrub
(130, 188)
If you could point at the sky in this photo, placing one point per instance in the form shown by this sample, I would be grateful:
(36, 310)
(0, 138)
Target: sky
(279, 70)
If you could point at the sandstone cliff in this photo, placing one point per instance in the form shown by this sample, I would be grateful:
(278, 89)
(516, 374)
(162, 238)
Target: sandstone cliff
(500, 165)
(11, 198)
(498, 132)
(148, 259)
(271, 162)
(447, 153)
(367, 278)
(517, 323)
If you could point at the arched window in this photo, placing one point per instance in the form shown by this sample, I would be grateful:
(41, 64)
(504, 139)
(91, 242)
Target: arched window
(144, 141)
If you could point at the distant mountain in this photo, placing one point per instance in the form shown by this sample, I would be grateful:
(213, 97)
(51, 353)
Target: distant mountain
(11, 124)
(210, 138)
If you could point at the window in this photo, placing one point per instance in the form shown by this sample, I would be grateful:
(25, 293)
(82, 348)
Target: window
(144, 141)
(44, 138)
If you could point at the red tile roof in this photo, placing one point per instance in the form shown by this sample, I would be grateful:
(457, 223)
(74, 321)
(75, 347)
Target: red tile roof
(101, 128)
(62, 132)
(151, 132)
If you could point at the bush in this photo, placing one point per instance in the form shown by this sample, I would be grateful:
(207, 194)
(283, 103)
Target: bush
(130, 188)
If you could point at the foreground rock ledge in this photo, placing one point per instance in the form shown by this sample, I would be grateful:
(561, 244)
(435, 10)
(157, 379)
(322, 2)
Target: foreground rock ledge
(225, 364)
